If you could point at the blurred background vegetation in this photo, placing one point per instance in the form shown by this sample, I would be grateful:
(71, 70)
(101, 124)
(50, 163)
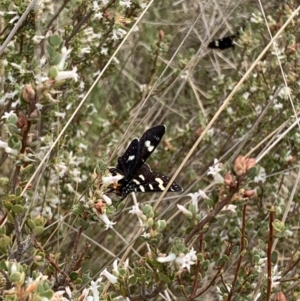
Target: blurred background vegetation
(156, 68)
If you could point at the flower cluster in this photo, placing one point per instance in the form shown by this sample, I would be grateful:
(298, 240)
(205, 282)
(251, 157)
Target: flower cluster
(182, 261)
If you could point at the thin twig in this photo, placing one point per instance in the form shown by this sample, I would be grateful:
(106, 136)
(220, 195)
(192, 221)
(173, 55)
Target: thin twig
(18, 233)
(51, 261)
(218, 273)
(269, 255)
(56, 15)
(195, 283)
(242, 243)
(17, 26)
(182, 290)
(210, 216)
(74, 254)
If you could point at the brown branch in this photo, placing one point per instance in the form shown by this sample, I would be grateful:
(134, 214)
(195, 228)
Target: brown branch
(211, 215)
(242, 243)
(147, 294)
(269, 254)
(74, 254)
(3, 159)
(157, 53)
(219, 272)
(50, 261)
(78, 26)
(292, 265)
(195, 283)
(81, 257)
(20, 248)
(182, 290)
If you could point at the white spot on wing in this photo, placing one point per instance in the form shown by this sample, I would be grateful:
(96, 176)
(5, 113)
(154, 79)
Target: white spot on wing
(160, 183)
(142, 177)
(142, 188)
(150, 186)
(150, 147)
(130, 158)
(136, 181)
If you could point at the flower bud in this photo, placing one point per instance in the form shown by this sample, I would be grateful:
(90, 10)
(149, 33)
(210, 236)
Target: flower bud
(249, 193)
(150, 222)
(110, 277)
(28, 94)
(279, 297)
(229, 180)
(100, 207)
(240, 166)
(161, 35)
(160, 225)
(22, 122)
(292, 159)
(53, 72)
(250, 163)
(34, 114)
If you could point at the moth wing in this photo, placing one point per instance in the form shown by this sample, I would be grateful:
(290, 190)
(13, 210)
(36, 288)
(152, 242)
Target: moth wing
(148, 144)
(127, 161)
(146, 180)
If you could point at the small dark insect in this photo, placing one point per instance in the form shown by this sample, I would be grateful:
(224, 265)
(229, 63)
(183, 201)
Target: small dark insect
(224, 43)
(137, 175)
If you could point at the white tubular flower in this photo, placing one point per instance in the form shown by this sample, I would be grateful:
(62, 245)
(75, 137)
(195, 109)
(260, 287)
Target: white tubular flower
(212, 170)
(9, 114)
(185, 211)
(230, 207)
(96, 6)
(126, 264)
(68, 292)
(215, 171)
(185, 261)
(141, 216)
(195, 196)
(257, 297)
(136, 210)
(3, 144)
(64, 54)
(59, 295)
(202, 194)
(84, 294)
(115, 267)
(11, 151)
(111, 179)
(62, 75)
(37, 39)
(126, 3)
(107, 200)
(110, 277)
(94, 289)
(261, 177)
(171, 257)
(108, 224)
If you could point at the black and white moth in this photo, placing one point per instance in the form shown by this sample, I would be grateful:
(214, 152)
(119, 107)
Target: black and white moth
(224, 43)
(137, 175)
